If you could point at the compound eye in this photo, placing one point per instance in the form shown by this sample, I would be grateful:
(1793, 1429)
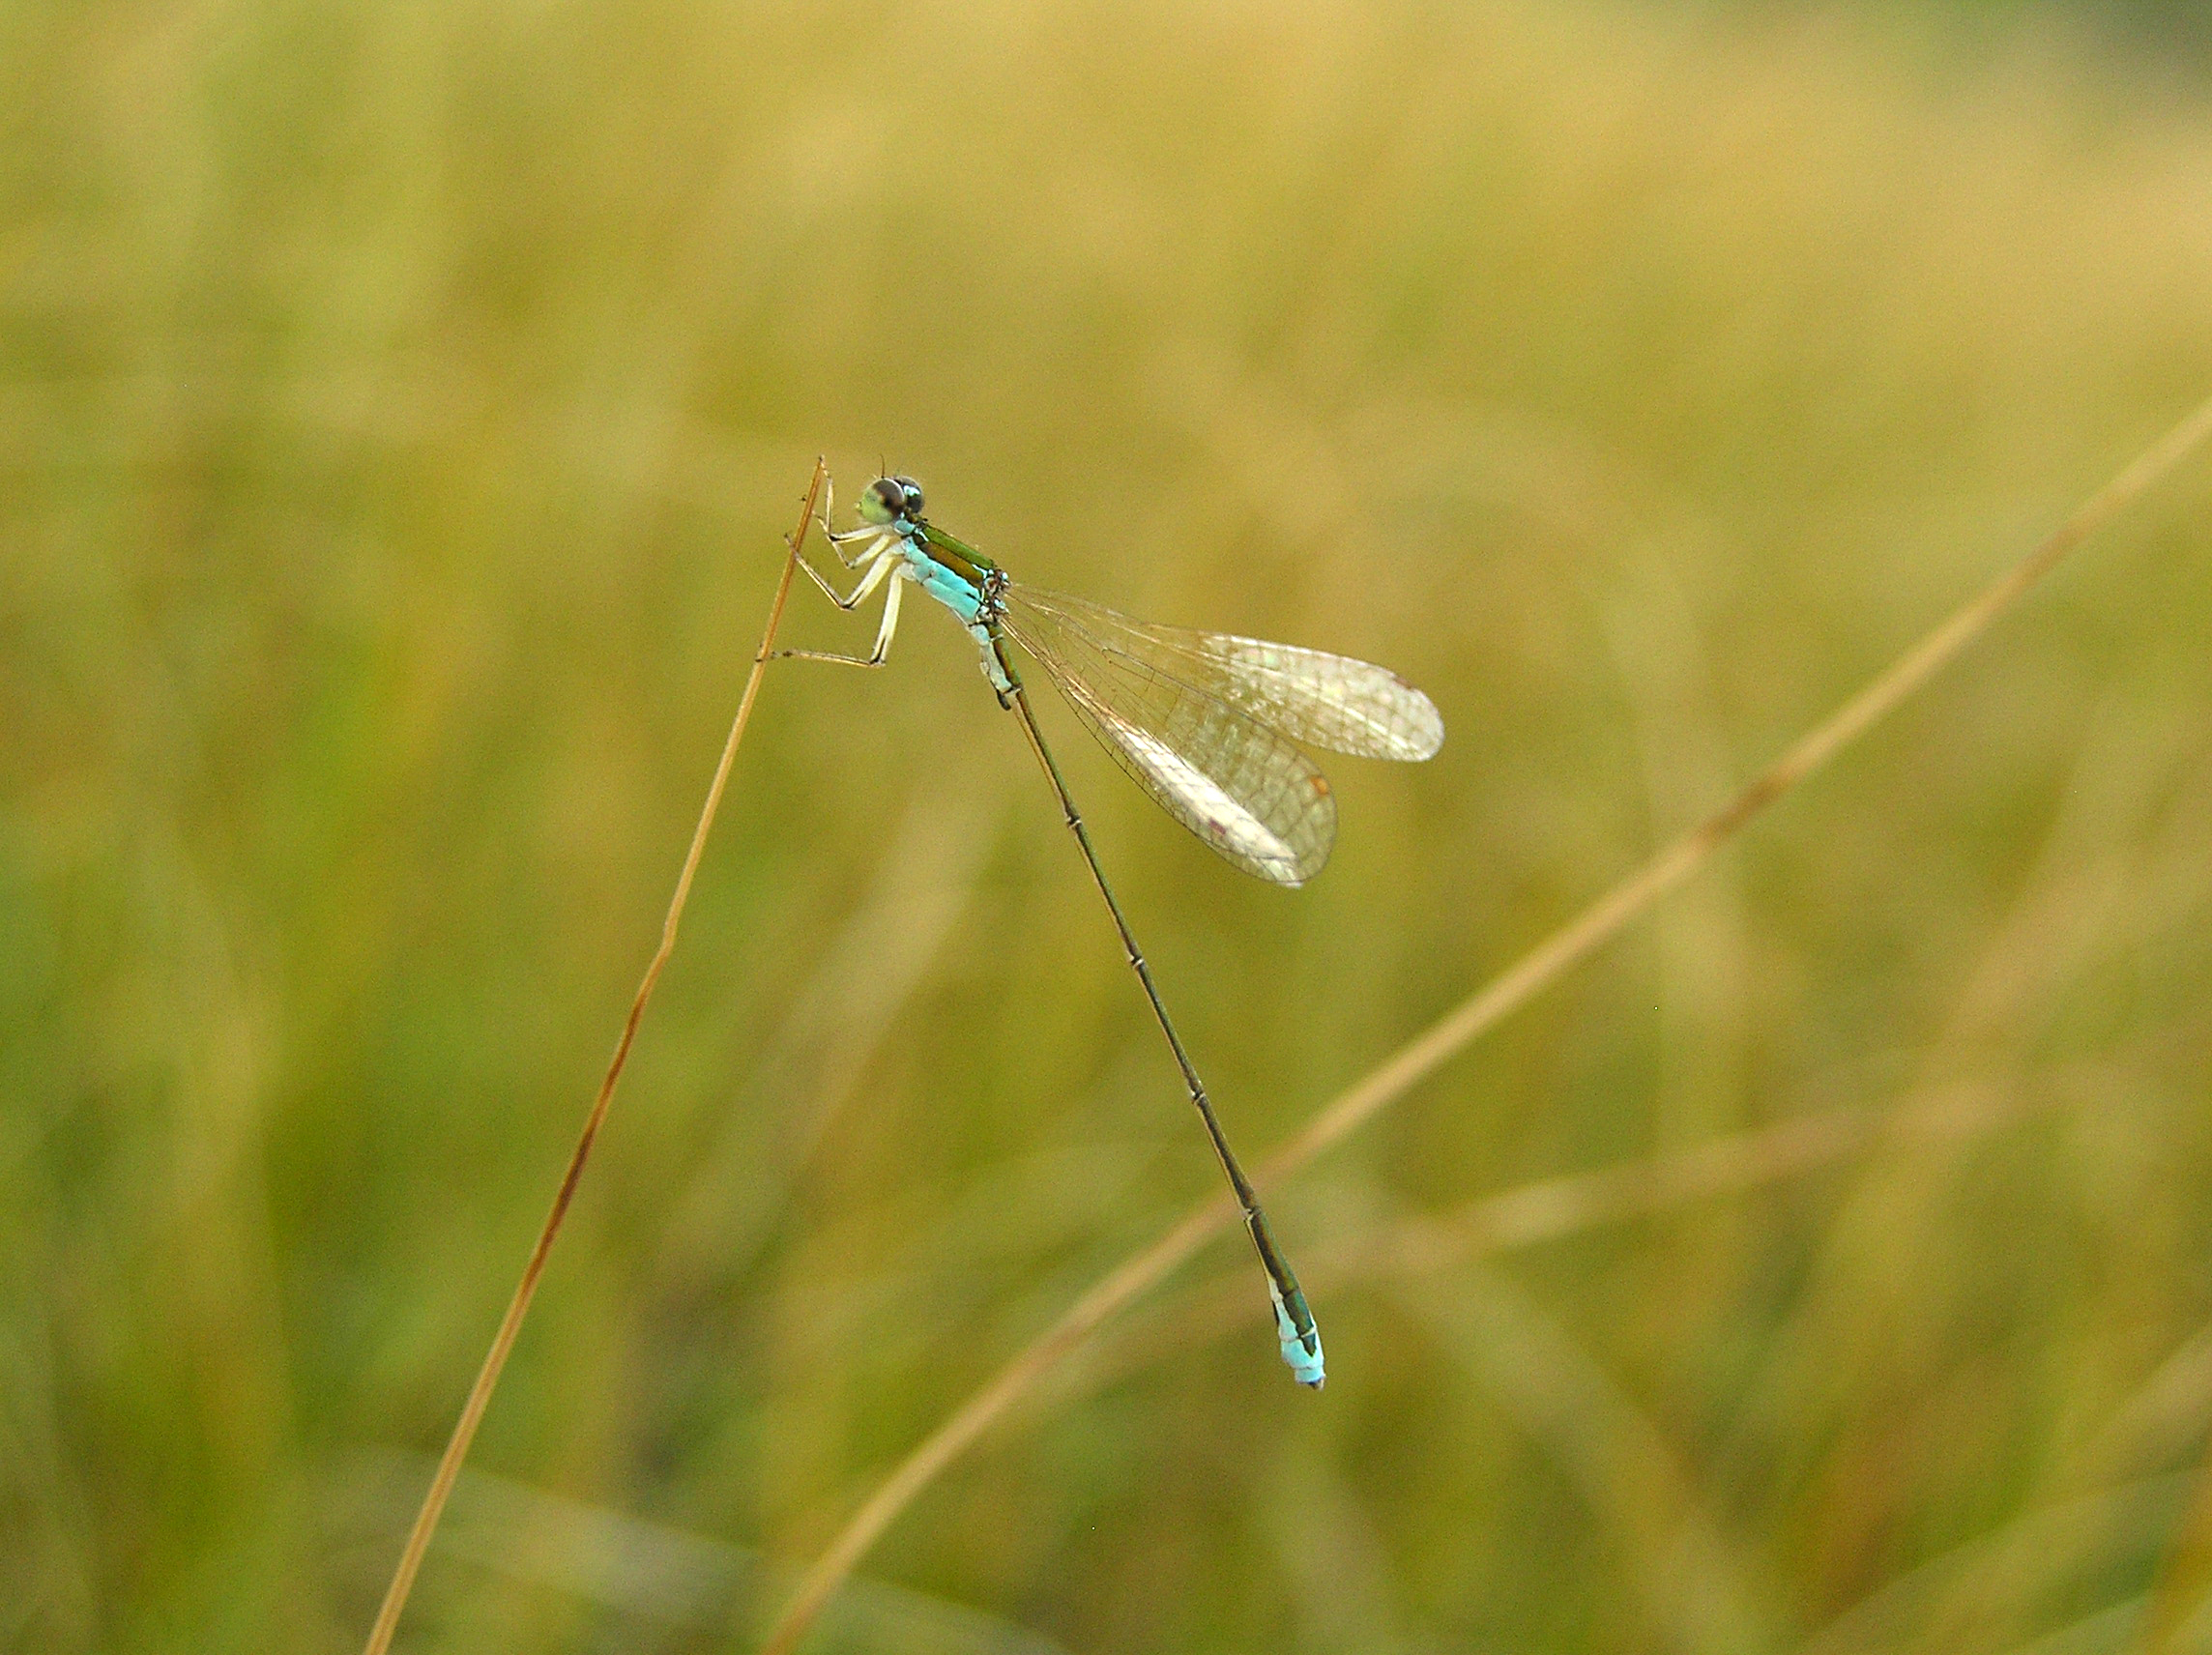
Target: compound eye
(889, 490)
(913, 495)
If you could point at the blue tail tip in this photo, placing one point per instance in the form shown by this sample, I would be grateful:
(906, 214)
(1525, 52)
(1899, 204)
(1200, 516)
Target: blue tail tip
(1304, 1358)
(1301, 1350)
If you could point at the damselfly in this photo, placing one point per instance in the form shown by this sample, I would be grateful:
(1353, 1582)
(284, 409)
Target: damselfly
(1206, 724)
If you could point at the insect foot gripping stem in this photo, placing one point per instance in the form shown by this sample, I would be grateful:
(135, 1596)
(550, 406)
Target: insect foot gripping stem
(1302, 1350)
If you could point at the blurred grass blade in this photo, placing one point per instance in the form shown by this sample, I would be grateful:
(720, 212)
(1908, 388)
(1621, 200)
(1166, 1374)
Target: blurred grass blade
(651, 1573)
(1535, 971)
(924, 882)
(1692, 1581)
(511, 1324)
(2104, 1533)
(2175, 1618)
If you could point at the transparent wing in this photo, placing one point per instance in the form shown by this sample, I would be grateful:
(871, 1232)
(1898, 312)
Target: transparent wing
(1330, 701)
(1233, 781)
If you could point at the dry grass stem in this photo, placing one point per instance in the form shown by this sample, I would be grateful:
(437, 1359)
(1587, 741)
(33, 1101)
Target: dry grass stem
(510, 1325)
(1416, 1061)
(1554, 1208)
(1523, 1216)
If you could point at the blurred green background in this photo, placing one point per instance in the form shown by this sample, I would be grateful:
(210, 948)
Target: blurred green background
(402, 406)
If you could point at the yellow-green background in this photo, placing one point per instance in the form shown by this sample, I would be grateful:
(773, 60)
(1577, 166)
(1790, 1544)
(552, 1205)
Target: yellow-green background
(399, 409)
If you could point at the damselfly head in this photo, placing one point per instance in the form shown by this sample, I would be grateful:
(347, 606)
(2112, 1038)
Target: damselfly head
(889, 498)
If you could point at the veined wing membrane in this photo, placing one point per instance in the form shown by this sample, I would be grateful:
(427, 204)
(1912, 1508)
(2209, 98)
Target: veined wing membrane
(1239, 785)
(1330, 701)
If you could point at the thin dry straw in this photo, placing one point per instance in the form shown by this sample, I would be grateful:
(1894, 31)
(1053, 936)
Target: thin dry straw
(1523, 1216)
(487, 1377)
(1521, 982)
(1556, 1208)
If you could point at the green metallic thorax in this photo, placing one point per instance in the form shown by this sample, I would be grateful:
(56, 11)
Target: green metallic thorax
(956, 554)
(972, 566)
